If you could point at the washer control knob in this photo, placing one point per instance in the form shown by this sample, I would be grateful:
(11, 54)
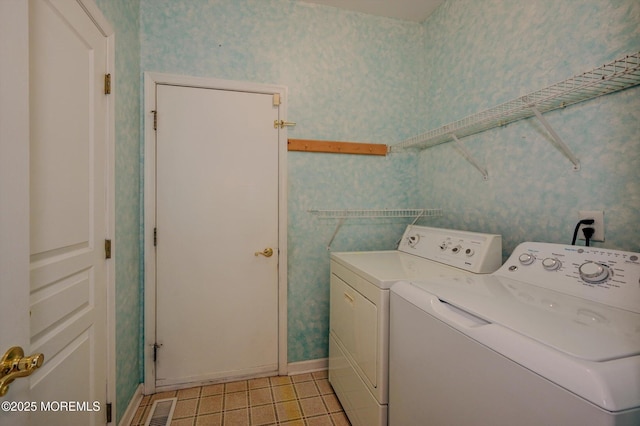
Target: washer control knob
(456, 249)
(469, 252)
(593, 272)
(526, 258)
(551, 263)
(443, 245)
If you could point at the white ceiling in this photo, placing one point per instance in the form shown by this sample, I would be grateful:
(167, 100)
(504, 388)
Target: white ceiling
(410, 10)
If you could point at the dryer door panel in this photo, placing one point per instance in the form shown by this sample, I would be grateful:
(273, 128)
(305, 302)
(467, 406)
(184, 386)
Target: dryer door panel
(354, 322)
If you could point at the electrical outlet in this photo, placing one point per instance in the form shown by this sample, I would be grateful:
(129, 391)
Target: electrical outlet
(598, 225)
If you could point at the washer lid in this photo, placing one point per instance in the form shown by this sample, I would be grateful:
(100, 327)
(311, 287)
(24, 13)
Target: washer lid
(581, 328)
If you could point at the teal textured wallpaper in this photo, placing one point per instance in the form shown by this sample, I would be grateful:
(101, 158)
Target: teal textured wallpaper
(351, 77)
(480, 54)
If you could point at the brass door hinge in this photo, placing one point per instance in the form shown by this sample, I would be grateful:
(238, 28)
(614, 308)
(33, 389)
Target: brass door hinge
(107, 84)
(107, 249)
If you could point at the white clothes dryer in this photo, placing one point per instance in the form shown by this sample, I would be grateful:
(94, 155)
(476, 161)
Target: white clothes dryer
(551, 338)
(359, 307)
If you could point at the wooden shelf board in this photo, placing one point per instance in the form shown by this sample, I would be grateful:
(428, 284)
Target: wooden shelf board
(337, 147)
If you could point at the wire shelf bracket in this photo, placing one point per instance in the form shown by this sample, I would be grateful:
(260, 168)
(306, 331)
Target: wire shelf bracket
(467, 156)
(612, 77)
(559, 142)
(343, 215)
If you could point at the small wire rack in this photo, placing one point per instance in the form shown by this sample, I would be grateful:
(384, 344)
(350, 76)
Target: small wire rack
(343, 215)
(611, 77)
(337, 214)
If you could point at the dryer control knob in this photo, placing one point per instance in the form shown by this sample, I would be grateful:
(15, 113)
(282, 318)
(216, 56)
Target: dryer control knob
(593, 272)
(413, 240)
(526, 258)
(551, 263)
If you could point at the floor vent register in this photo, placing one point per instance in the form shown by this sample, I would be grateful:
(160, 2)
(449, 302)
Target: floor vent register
(161, 412)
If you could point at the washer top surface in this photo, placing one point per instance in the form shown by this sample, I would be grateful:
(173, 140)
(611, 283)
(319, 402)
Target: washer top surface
(583, 301)
(577, 327)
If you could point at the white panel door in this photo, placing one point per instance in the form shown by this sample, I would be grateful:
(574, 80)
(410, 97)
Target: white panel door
(216, 207)
(61, 217)
(68, 208)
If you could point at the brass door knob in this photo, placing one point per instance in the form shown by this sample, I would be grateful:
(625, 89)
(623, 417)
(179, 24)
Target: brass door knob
(14, 365)
(268, 252)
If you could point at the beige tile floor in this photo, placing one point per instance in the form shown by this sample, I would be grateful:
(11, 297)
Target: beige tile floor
(304, 399)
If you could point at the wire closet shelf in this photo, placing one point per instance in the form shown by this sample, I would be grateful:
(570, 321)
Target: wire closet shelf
(343, 215)
(611, 77)
(339, 214)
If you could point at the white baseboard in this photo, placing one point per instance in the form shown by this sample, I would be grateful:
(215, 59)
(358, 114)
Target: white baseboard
(310, 366)
(128, 415)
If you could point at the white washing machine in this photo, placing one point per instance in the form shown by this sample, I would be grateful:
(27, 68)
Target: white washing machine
(551, 338)
(359, 307)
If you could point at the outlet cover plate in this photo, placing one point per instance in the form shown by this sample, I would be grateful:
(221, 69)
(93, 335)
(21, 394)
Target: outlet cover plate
(598, 225)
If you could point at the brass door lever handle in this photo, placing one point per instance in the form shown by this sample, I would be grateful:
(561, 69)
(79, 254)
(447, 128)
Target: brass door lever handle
(14, 365)
(268, 252)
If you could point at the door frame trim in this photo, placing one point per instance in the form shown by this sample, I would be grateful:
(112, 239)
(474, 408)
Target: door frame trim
(108, 31)
(14, 186)
(151, 80)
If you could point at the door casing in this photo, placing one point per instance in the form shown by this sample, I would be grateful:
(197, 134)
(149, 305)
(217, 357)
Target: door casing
(150, 82)
(14, 191)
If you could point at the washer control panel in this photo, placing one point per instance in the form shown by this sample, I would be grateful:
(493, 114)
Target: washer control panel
(471, 251)
(602, 275)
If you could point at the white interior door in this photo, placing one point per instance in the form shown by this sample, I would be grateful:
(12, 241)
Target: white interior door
(216, 208)
(64, 175)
